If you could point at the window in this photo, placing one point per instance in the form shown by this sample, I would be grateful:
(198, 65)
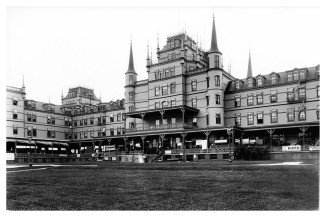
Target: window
(29, 117)
(172, 71)
(85, 134)
(119, 131)
(131, 108)
(290, 114)
(194, 102)
(99, 133)
(66, 121)
(75, 123)
(81, 122)
(217, 99)
(131, 96)
(165, 121)
(99, 120)
(103, 132)
(207, 100)
(157, 105)
(172, 87)
(48, 119)
(14, 101)
(218, 118)
(164, 104)
(91, 121)
(15, 114)
(161, 74)
(250, 118)
(237, 85)
(273, 96)
(216, 61)
(75, 136)
(131, 80)
(173, 102)
(119, 117)
(157, 75)
(85, 121)
(289, 77)
(29, 131)
(167, 73)
(302, 75)
(173, 120)
(33, 118)
(302, 114)
(317, 112)
(318, 91)
(157, 91)
(237, 101)
(194, 85)
(302, 93)
(273, 79)
(207, 118)
(249, 83)
(295, 76)
(104, 119)
(290, 94)
(259, 82)
(52, 119)
(250, 99)
(112, 130)
(259, 98)
(238, 119)
(157, 122)
(260, 118)
(92, 133)
(51, 133)
(165, 90)
(194, 120)
(81, 134)
(274, 116)
(218, 82)
(111, 118)
(15, 130)
(207, 82)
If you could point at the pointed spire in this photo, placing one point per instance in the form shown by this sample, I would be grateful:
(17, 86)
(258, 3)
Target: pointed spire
(131, 61)
(249, 73)
(147, 50)
(61, 94)
(158, 43)
(23, 81)
(214, 47)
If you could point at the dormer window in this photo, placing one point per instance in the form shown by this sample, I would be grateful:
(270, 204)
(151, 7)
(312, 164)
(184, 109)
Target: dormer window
(259, 82)
(250, 83)
(295, 76)
(237, 85)
(289, 77)
(273, 79)
(302, 75)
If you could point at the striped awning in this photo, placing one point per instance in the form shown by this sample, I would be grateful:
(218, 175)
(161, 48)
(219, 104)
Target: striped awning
(44, 143)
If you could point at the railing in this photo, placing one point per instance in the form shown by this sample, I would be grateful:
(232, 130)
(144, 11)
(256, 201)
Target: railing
(166, 59)
(161, 127)
(141, 82)
(295, 99)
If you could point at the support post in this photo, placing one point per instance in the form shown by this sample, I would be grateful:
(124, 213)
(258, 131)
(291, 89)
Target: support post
(270, 137)
(207, 137)
(183, 116)
(142, 118)
(162, 115)
(143, 139)
(303, 129)
(162, 136)
(183, 146)
(125, 143)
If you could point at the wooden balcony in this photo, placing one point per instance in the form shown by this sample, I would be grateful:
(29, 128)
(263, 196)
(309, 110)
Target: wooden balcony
(161, 127)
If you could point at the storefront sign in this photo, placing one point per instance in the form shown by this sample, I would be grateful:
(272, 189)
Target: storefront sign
(314, 148)
(10, 156)
(291, 148)
(109, 148)
(167, 151)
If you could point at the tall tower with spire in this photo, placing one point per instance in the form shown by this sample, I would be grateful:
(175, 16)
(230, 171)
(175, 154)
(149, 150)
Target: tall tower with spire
(130, 79)
(249, 72)
(23, 89)
(215, 87)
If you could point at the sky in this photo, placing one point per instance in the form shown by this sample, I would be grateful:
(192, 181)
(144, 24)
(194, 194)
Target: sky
(57, 48)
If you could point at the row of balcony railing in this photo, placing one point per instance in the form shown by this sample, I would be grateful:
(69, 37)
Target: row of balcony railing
(162, 127)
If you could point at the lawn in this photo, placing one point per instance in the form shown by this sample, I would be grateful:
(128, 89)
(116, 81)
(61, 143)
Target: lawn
(212, 185)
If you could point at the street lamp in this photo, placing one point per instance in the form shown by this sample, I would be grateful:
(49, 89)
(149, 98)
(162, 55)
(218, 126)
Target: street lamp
(29, 155)
(229, 131)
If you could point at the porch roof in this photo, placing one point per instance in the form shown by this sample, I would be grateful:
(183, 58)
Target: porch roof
(138, 114)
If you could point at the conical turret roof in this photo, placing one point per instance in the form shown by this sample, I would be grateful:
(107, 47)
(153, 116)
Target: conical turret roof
(131, 61)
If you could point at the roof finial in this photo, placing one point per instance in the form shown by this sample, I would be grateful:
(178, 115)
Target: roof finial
(151, 55)
(214, 47)
(61, 94)
(147, 49)
(249, 73)
(23, 81)
(131, 60)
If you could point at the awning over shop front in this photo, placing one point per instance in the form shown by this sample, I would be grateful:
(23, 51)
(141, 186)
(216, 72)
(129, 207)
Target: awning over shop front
(44, 143)
(25, 141)
(61, 143)
(11, 140)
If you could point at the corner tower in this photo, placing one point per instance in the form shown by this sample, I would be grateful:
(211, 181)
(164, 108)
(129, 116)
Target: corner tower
(130, 79)
(215, 86)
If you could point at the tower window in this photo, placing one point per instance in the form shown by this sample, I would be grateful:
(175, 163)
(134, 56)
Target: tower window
(172, 87)
(216, 61)
(194, 85)
(15, 114)
(218, 99)
(14, 101)
(207, 118)
(131, 96)
(217, 81)
(15, 130)
(218, 118)
(194, 102)
(207, 100)
(131, 80)
(207, 82)
(237, 101)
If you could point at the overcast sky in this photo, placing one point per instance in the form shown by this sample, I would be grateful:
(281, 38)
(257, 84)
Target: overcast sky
(57, 48)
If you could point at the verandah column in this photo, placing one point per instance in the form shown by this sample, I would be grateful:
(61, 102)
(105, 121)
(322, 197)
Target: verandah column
(143, 139)
(183, 145)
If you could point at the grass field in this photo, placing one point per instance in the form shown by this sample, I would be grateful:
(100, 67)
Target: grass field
(212, 185)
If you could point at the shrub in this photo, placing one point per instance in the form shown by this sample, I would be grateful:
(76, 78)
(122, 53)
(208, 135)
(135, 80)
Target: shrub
(251, 153)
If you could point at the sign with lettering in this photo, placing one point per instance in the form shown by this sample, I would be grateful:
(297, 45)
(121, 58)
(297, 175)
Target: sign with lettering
(314, 148)
(291, 148)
